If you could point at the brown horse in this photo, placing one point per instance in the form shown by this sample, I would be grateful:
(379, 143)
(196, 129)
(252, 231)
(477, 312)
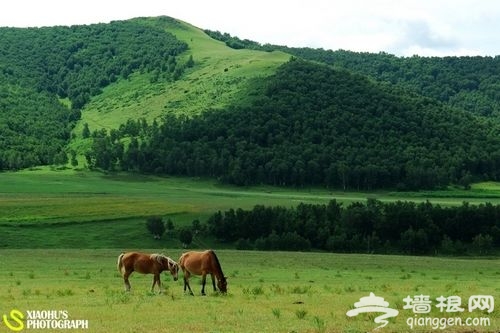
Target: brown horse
(202, 263)
(146, 264)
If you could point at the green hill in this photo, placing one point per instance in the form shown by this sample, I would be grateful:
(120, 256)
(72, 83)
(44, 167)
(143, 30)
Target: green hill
(157, 95)
(48, 74)
(469, 82)
(105, 74)
(219, 73)
(309, 124)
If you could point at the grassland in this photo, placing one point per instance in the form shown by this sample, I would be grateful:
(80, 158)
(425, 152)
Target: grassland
(62, 231)
(67, 209)
(267, 292)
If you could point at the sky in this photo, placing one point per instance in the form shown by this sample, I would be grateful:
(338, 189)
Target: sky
(400, 27)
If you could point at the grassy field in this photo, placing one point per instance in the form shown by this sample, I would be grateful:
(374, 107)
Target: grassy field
(267, 292)
(67, 209)
(63, 230)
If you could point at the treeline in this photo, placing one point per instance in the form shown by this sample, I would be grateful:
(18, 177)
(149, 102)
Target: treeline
(40, 67)
(371, 227)
(312, 125)
(470, 83)
(237, 43)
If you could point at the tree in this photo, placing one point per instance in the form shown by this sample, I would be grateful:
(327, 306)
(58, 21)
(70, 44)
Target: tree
(170, 225)
(86, 131)
(197, 227)
(482, 244)
(190, 62)
(60, 158)
(155, 226)
(414, 242)
(74, 161)
(244, 244)
(447, 246)
(185, 236)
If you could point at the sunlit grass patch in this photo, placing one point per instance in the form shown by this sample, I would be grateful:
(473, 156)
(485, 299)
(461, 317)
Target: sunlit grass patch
(261, 298)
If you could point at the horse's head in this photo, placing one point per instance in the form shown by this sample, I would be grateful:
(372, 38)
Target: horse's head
(222, 284)
(168, 264)
(173, 268)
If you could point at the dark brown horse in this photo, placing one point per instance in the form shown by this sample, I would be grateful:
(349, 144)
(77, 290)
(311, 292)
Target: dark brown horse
(146, 264)
(202, 263)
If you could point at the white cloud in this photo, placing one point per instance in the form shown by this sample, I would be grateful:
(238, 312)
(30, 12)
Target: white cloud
(403, 27)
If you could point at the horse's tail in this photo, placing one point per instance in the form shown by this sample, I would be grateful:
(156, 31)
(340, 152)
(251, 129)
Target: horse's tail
(119, 264)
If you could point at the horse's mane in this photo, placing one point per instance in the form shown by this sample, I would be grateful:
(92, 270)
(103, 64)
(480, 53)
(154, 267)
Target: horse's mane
(156, 256)
(217, 263)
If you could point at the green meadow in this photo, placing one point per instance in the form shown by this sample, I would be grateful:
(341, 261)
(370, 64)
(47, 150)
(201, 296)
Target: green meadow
(62, 231)
(267, 292)
(47, 208)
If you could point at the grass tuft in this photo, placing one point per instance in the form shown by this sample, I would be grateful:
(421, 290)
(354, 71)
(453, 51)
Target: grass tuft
(301, 314)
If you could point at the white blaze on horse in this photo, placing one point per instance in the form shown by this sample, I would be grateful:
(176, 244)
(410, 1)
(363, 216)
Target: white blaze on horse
(146, 264)
(202, 263)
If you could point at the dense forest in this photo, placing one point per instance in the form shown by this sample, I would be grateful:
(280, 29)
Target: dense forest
(40, 67)
(371, 227)
(310, 124)
(470, 83)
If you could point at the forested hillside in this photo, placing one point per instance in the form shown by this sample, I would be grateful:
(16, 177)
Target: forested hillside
(48, 74)
(471, 83)
(327, 118)
(310, 124)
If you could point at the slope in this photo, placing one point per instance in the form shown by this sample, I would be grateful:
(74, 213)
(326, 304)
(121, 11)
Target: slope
(218, 75)
(470, 83)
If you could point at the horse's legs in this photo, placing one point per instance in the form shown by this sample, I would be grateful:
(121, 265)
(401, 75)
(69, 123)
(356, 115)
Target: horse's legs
(213, 281)
(203, 281)
(126, 274)
(156, 280)
(186, 283)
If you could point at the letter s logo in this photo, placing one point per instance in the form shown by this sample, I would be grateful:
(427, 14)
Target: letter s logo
(16, 316)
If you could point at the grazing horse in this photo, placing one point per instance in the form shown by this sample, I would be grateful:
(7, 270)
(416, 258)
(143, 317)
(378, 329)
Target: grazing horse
(202, 263)
(146, 264)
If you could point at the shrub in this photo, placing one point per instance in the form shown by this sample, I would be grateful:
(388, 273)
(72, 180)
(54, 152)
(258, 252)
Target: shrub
(185, 236)
(482, 245)
(155, 226)
(244, 244)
